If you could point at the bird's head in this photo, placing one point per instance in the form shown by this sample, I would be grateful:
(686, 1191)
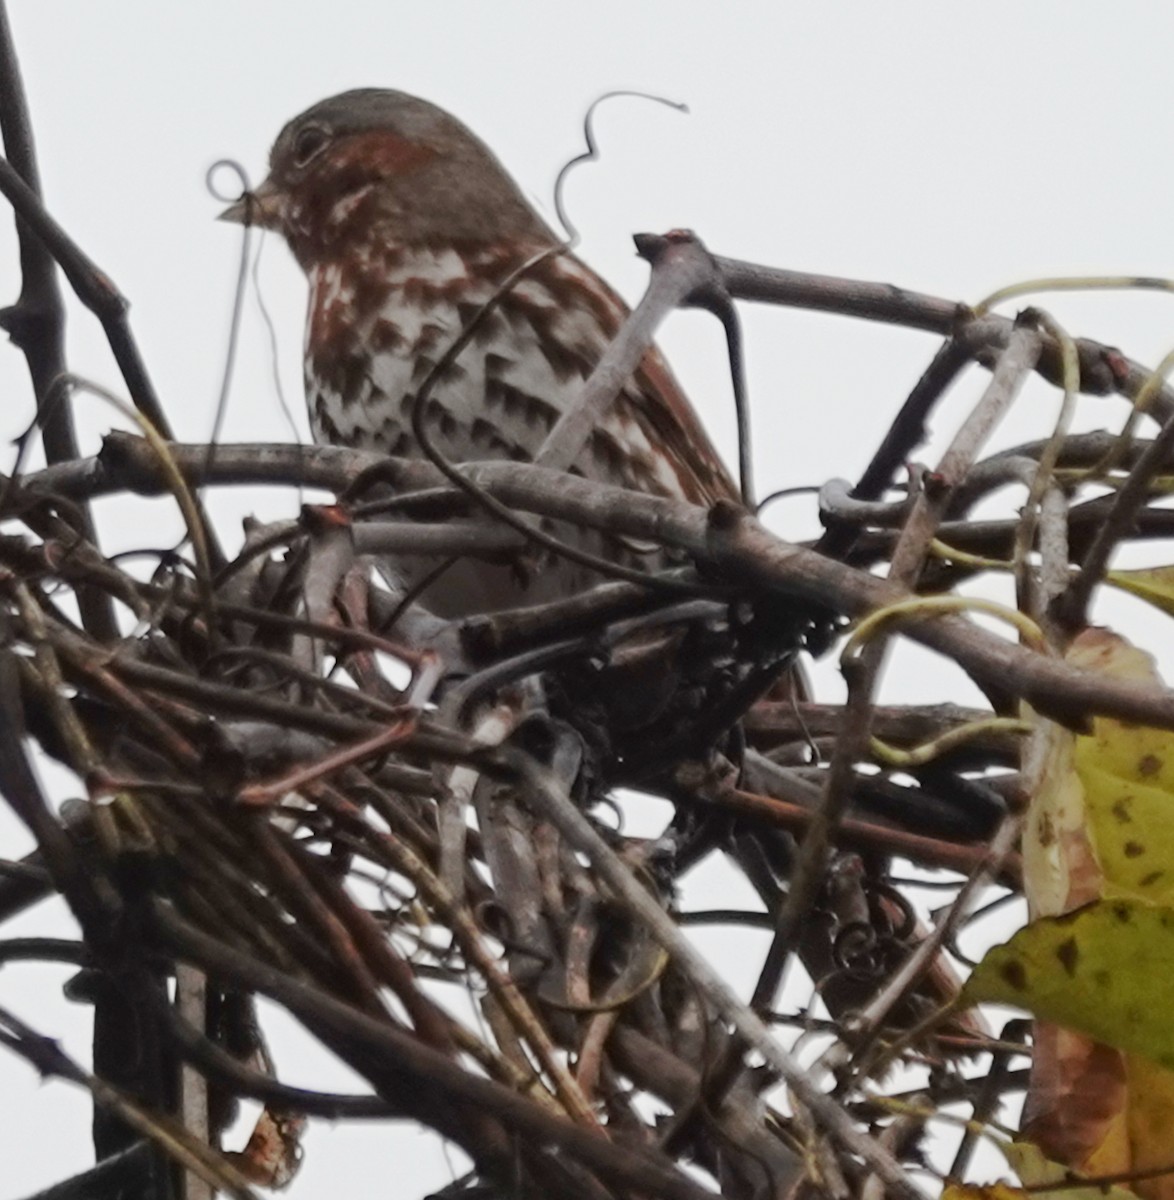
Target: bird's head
(378, 164)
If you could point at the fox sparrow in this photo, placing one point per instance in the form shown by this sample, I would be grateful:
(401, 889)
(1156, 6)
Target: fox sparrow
(405, 224)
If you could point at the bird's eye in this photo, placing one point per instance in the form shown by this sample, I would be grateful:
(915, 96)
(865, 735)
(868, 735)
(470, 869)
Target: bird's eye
(308, 143)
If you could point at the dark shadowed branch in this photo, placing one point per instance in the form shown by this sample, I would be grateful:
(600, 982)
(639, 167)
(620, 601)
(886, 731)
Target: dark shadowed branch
(269, 798)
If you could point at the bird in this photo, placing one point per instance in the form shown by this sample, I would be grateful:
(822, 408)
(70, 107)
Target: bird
(405, 224)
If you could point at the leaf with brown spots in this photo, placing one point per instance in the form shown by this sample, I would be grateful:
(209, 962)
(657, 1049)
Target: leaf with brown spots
(1132, 831)
(1102, 821)
(1100, 828)
(1105, 969)
(1132, 752)
(1127, 776)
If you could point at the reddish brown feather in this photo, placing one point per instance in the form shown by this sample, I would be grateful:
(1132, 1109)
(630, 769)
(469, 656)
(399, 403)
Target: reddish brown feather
(404, 239)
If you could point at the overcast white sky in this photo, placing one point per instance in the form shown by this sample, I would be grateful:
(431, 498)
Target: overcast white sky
(950, 148)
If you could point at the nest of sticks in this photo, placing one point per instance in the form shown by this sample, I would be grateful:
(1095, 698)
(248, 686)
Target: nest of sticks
(414, 835)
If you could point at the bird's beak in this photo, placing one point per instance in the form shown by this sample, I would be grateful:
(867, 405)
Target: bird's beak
(262, 208)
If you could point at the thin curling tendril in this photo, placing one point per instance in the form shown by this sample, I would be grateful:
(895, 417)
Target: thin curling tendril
(936, 606)
(592, 153)
(1077, 283)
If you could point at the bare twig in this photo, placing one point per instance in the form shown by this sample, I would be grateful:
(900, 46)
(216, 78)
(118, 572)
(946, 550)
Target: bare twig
(36, 322)
(51, 1061)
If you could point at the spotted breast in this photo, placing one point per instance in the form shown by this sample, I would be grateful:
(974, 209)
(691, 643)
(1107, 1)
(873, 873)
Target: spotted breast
(405, 224)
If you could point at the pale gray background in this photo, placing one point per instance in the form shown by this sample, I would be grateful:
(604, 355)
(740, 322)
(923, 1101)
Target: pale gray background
(951, 148)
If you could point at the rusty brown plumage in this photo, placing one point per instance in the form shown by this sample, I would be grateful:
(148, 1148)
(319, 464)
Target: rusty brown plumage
(405, 224)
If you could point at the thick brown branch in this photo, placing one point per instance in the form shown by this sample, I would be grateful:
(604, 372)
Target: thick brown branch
(736, 546)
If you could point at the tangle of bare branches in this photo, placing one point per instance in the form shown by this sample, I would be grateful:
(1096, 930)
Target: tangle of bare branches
(266, 805)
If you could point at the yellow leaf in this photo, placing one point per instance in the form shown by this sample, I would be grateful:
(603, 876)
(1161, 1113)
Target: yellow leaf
(1101, 823)
(1033, 1168)
(1106, 969)
(1154, 585)
(1060, 869)
(1151, 1118)
(1132, 831)
(1134, 752)
(1099, 828)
